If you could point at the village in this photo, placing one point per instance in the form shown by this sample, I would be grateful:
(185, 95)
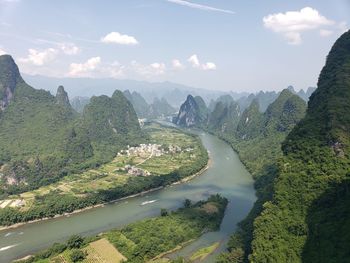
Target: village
(146, 151)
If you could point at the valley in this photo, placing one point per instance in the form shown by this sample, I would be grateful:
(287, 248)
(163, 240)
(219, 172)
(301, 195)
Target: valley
(174, 131)
(168, 150)
(226, 176)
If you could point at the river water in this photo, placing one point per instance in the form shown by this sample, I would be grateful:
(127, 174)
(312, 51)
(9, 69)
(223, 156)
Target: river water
(226, 175)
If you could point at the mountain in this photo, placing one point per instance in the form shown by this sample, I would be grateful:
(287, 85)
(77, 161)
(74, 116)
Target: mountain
(9, 79)
(139, 103)
(43, 139)
(62, 97)
(174, 93)
(193, 112)
(111, 123)
(225, 99)
(251, 123)
(308, 218)
(160, 108)
(258, 142)
(284, 113)
(78, 103)
(264, 99)
(225, 117)
(33, 126)
(301, 93)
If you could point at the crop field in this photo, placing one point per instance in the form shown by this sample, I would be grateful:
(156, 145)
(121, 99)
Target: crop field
(175, 149)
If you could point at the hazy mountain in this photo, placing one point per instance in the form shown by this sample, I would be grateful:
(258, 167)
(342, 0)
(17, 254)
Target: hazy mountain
(139, 103)
(78, 103)
(225, 117)
(174, 93)
(305, 95)
(161, 108)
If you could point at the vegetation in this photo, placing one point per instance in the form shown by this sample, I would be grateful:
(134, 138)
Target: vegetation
(110, 181)
(143, 240)
(42, 139)
(204, 252)
(308, 217)
(257, 138)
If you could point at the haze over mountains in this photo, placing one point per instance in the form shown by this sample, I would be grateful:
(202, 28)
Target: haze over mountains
(174, 93)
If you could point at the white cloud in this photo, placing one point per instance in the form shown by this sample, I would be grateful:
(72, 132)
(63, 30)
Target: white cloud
(292, 23)
(177, 64)
(158, 68)
(325, 33)
(69, 48)
(81, 69)
(39, 58)
(153, 69)
(194, 61)
(201, 7)
(2, 52)
(209, 66)
(117, 38)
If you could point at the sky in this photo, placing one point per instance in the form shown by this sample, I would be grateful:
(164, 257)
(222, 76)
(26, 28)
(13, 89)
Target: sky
(218, 45)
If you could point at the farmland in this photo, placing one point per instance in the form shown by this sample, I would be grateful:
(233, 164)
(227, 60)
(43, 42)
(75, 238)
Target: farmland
(168, 156)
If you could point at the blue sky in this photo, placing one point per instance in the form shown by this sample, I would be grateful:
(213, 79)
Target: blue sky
(222, 45)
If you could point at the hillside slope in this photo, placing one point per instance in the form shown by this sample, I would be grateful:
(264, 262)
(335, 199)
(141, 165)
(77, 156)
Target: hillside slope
(43, 139)
(308, 218)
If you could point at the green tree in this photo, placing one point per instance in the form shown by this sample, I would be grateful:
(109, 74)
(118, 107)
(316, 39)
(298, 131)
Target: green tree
(187, 203)
(77, 255)
(75, 241)
(163, 212)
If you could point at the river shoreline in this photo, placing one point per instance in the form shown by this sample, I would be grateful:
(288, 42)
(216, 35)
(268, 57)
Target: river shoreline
(184, 180)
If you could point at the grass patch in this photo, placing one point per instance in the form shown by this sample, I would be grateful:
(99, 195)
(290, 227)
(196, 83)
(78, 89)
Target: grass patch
(202, 253)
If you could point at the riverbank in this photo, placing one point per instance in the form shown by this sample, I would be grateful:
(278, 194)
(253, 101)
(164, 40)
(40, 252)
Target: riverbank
(184, 180)
(225, 175)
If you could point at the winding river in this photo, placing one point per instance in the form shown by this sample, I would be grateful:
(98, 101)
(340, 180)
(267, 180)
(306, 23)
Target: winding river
(226, 175)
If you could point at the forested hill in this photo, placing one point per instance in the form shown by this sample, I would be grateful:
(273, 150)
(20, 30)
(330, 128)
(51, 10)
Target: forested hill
(308, 218)
(193, 112)
(42, 138)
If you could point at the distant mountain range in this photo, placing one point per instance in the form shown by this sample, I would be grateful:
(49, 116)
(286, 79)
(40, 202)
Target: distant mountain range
(175, 94)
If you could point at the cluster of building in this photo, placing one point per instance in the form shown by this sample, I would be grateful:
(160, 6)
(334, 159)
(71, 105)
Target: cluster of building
(133, 170)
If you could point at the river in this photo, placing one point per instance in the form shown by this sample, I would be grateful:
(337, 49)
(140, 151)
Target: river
(226, 175)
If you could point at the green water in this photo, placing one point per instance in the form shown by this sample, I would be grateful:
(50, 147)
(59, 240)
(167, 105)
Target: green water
(226, 175)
